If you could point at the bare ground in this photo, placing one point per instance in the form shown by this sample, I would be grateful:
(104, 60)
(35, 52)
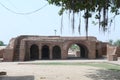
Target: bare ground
(57, 72)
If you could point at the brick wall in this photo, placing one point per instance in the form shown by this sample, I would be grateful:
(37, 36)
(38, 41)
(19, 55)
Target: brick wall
(19, 48)
(1, 53)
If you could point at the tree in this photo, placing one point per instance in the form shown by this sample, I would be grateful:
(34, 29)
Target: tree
(1, 43)
(100, 8)
(74, 47)
(117, 43)
(110, 42)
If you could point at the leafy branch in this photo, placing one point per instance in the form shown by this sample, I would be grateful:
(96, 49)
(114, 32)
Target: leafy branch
(100, 7)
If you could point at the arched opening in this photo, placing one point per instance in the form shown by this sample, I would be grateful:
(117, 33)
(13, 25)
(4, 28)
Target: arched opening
(96, 53)
(34, 52)
(56, 52)
(77, 51)
(45, 52)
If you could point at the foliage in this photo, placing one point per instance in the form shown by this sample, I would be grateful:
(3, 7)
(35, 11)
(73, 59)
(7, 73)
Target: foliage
(104, 65)
(75, 47)
(1, 43)
(110, 42)
(100, 7)
(116, 43)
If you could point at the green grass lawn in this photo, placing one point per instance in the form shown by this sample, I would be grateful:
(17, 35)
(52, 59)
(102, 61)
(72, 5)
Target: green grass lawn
(104, 65)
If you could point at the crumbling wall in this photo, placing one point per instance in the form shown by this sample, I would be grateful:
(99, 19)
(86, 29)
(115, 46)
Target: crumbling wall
(8, 51)
(17, 47)
(111, 52)
(1, 53)
(118, 51)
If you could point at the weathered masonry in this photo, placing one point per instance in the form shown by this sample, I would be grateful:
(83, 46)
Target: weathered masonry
(24, 48)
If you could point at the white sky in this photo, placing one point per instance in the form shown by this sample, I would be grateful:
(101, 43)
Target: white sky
(43, 22)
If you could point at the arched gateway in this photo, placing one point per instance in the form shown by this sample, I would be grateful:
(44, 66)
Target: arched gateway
(51, 47)
(81, 52)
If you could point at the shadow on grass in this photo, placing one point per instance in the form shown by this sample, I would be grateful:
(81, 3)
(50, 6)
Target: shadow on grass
(16, 77)
(111, 74)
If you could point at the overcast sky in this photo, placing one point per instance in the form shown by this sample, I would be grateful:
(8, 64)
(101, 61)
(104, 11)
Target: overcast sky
(43, 22)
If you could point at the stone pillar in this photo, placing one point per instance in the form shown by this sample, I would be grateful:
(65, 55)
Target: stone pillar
(64, 54)
(22, 51)
(50, 56)
(40, 52)
(92, 49)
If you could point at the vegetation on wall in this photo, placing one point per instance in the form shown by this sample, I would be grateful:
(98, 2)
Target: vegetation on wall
(99, 9)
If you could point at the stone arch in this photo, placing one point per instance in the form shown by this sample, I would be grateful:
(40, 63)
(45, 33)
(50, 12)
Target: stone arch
(74, 51)
(83, 49)
(45, 52)
(34, 52)
(56, 52)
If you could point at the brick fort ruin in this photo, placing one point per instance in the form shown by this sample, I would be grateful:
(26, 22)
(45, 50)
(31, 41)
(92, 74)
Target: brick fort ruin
(24, 48)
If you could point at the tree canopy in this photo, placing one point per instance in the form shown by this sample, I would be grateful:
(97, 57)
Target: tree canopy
(75, 47)
(101, 8)
(116, 43)
(1, 43)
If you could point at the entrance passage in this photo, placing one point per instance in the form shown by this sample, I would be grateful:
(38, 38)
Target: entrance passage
(34, 52)
(45, 52)
(97, 54)
(56, 52)
(74, 51)
(83, 53)
(77, 51)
